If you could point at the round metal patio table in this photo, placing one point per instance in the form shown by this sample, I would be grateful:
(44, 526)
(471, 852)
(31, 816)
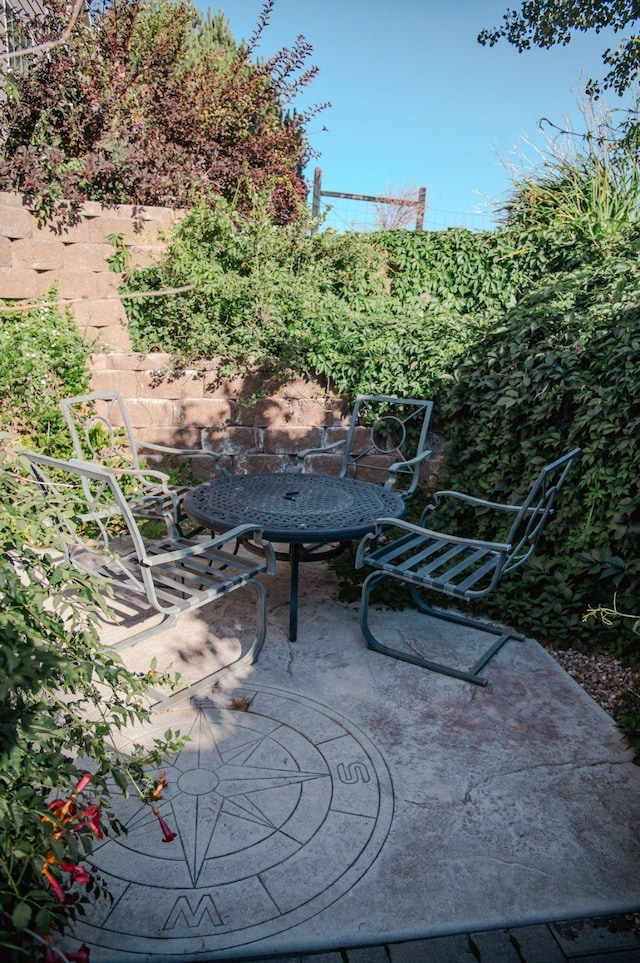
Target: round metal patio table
(316, 515)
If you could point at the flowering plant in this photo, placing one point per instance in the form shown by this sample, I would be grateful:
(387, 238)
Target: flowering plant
(63, 697)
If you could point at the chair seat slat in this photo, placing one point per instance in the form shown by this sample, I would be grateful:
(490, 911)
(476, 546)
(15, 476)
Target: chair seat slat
(469, 561)
(415, 560)
(446, 553)
(388, 552)
(214, 564)
(224, 560)
(480, 573)
(192, 580)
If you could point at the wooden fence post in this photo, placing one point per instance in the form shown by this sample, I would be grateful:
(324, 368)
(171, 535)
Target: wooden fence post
(422, 203)
(317, 192)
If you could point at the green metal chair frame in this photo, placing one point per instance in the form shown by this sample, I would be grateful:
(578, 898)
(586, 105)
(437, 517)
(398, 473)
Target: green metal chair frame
(459, 567)
(104, 414)
(175, 575)
(386, 437)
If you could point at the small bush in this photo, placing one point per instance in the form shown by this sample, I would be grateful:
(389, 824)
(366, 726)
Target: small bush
(469, 273)
(148, 103)
(43, 358)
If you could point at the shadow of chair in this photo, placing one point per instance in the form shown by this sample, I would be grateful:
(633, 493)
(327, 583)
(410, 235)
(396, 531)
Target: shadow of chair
(102, 433)
(385, 442)
(460, 567)
(174, 575)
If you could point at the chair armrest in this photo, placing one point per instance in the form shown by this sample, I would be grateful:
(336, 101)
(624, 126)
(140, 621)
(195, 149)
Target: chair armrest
(148, 479)
(408, 463)
(150, 475)
(318, 451)
(471, 500)
(156, 477)
(188, 452)
(383, 524)
(440, 496)
(200, 548)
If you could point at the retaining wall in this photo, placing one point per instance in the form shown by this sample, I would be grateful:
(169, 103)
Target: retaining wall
(193, 408)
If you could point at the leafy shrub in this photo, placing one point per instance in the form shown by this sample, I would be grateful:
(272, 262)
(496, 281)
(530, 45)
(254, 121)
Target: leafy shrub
(287, 299)
(43, 358)
(63, 698)
(562, 370)
(527, 338)
(471, 273)
(578, 205)
(148, 103)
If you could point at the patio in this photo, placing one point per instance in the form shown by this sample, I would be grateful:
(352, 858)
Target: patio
(332, 797)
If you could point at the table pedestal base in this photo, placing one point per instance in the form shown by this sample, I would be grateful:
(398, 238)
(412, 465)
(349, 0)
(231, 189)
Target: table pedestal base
(296, 555)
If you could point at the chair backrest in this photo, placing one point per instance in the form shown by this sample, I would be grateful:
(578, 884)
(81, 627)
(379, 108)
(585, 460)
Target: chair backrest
(536, 510)
(383, 431)
(78, 492)
(101, 429)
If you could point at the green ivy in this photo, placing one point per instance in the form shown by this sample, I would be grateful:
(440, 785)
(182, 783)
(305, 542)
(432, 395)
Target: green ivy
(562, 369)
(526, 337)
(288, 299)
(468, 273)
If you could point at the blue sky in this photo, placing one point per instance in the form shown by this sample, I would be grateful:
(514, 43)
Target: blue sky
(416, 101)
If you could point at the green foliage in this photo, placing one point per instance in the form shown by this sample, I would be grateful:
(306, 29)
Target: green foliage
(212, 32)
(609, 616)
(466, 273)
(42, 359)
(577, 206)
(119, 260)
(63, 699)
(322, 304)
(562, 370)
(150, 103)
(527, 337)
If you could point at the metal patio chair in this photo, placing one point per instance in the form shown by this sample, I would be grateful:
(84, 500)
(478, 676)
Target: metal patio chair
(175, 575)
(385, 442)
(455, 565)
(102, 434)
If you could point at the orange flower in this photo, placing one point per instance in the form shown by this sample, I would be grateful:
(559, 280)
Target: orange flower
(91, 820)
(58, 891)
(161, 783)
(62, 809)
(169, 835)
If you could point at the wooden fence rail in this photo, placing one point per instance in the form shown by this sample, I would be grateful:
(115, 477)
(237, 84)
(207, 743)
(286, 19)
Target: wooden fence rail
(419, 204)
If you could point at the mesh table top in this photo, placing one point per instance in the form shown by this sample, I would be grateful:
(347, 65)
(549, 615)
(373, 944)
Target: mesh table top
(293, 508)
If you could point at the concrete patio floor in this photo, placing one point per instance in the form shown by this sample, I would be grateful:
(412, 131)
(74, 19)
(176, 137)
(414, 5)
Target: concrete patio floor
(330, 797)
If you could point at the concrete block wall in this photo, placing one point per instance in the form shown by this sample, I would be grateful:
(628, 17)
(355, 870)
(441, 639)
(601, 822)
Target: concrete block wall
(193, 408)
(34, 259)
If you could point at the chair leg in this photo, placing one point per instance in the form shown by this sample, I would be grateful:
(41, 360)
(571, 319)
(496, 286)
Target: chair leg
(251, 656)
(470, 675)
(130, 640)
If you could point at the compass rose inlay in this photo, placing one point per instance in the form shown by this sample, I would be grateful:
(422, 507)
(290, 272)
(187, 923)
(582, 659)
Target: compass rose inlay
(279, 810)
